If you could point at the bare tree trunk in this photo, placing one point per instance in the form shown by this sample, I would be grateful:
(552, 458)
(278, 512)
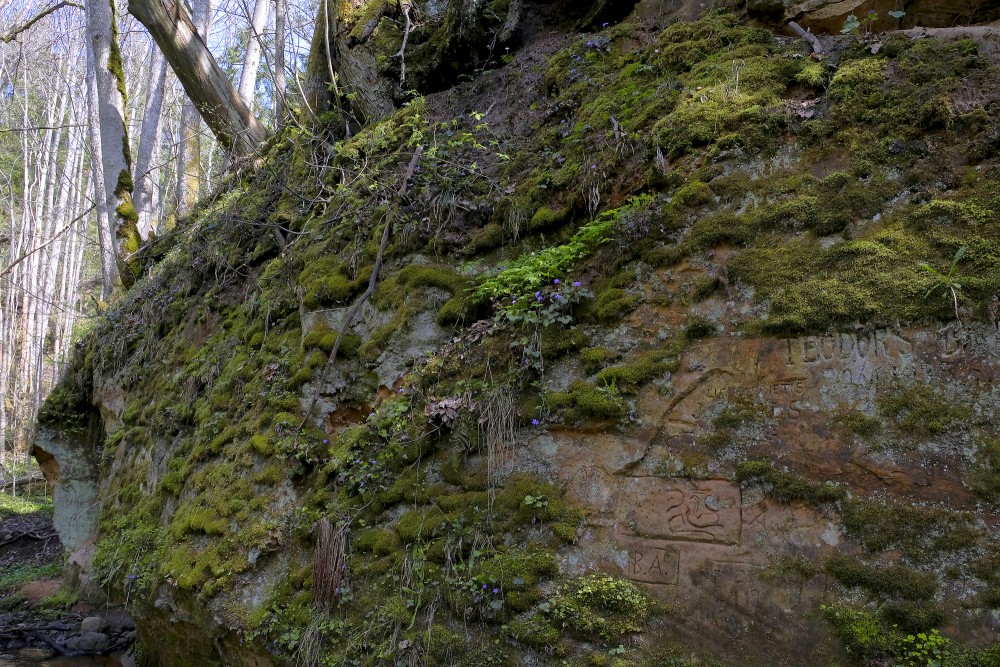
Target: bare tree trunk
(116, 157)
(205, 83)
(146, 165)
(280, 16)
(189, 165)
(251, 63)
(105, 239)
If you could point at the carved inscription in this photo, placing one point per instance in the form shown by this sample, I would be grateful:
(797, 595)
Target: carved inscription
(653, 564)
(842, 347)
(738, 582)
(706, 511)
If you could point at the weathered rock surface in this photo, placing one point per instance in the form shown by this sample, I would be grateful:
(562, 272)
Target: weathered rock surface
(653, 361)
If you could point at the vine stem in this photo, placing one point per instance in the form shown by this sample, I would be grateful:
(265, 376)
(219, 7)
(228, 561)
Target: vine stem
(372, 282)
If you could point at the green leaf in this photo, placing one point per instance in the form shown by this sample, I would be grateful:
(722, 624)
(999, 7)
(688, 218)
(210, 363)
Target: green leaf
(897, 14)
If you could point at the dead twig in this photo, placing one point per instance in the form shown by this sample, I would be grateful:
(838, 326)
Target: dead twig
(808, 36)
(405, 5)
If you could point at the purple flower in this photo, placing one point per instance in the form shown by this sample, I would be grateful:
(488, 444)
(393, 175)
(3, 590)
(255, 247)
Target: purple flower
(557, 297)
(555, 282)
(373, 461)
(131, 576)
(485, 587)
(593, 166)
(535, 422)
(495, 591)
(605, 24)
(326, 442)
(576, 283)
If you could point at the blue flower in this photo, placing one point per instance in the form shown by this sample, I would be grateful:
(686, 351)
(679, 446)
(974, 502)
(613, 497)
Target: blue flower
(557, 297)
(535, 422)
(495, 591)
(555, 282)
(576, 283)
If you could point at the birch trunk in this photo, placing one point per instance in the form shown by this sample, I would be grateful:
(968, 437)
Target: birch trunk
(105, 238)
(147, 158)
(251, 63)
(280, 17)
(116, 158)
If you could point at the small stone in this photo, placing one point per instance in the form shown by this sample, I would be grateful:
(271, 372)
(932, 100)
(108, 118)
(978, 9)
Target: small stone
(89, 642)
(91, 624)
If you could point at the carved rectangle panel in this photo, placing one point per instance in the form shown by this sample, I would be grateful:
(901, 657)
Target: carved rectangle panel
(705, 511)
(653, 564)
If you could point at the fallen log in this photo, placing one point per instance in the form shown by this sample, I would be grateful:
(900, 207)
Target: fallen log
(7, 483)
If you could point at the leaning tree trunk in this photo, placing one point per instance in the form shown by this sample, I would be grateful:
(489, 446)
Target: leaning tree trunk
(203, 80)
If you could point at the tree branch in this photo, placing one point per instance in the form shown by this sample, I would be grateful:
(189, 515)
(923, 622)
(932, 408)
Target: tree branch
(10, 36)
(10, 267)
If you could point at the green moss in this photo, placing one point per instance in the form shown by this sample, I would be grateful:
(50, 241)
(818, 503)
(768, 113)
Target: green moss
(589, 400)
(421, 524)
(739, 408)
(696, 328)
(786, 486)
(380, 541)
(594, 358)
(858, 423)
(452, 312)
(600, 606)
(533, 630)
(983, 478)
(546, 219)
(865, 636)
(325, 282)
(920, 409)
(612, 304)
(918, 532)
(894, 580)
(692, 194)
(643, 368)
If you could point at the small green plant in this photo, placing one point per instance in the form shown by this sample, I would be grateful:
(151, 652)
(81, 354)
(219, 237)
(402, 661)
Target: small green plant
(947, 281)
(863, 27)
(923, 650)
(536, 502)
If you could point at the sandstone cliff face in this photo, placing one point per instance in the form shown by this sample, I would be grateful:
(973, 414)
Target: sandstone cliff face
(653, 373)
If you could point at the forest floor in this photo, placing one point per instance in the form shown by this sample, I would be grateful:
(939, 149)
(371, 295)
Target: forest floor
(38, 618)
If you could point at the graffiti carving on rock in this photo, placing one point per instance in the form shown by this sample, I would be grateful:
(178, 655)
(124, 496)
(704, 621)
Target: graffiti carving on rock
(673, 510)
